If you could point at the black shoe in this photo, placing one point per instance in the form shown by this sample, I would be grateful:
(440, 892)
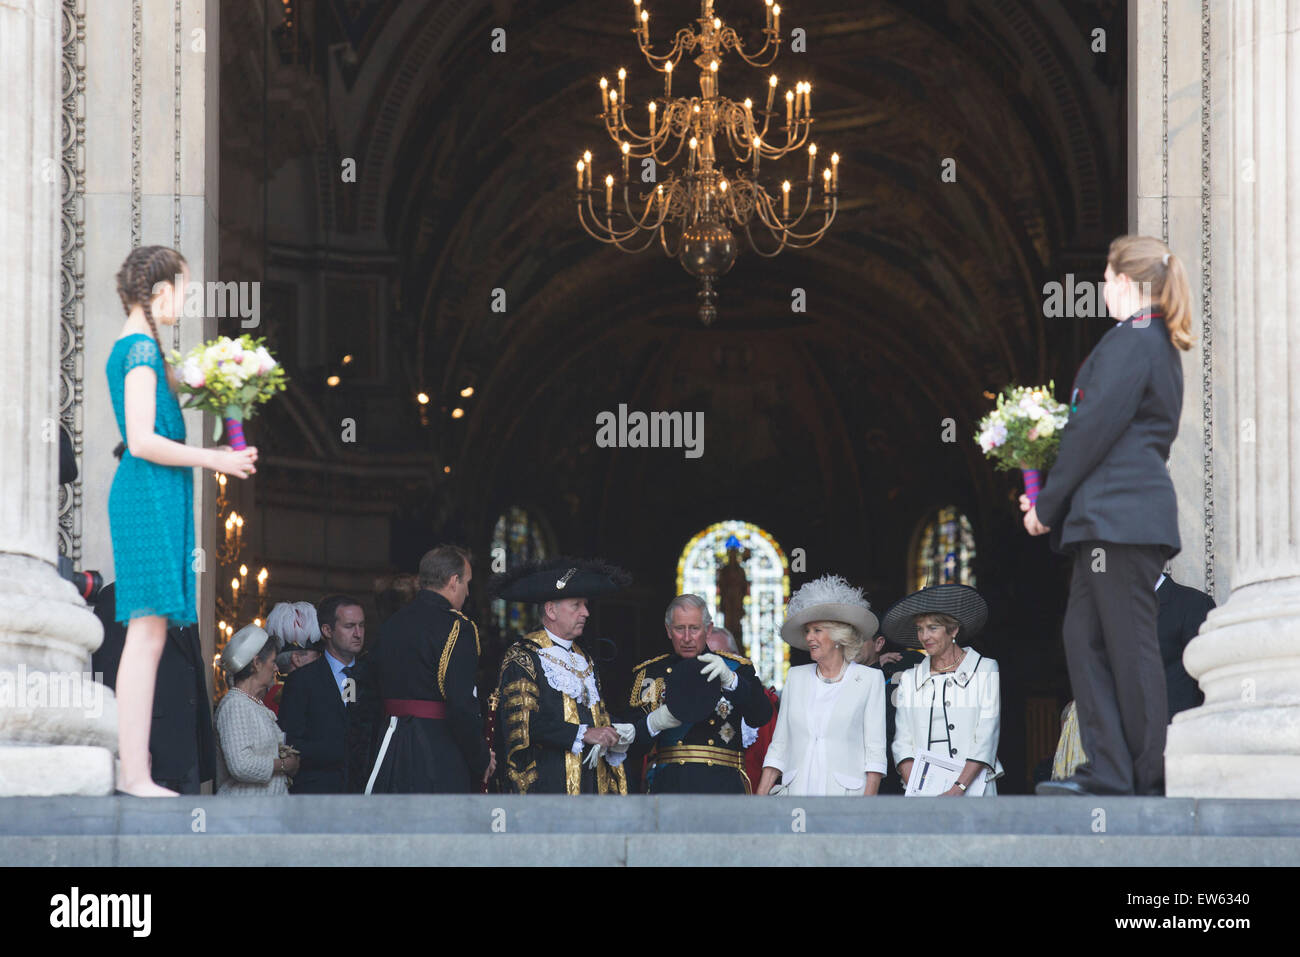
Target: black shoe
(1066, 788)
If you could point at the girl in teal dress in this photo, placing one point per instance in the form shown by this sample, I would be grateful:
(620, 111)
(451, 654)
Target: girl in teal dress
(151, 505)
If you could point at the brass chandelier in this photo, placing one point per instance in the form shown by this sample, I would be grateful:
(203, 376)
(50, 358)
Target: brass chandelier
(698, 203)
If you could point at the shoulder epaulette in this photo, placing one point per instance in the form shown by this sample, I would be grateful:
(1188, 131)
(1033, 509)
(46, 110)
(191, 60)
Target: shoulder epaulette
(649, 661)
(737, 658)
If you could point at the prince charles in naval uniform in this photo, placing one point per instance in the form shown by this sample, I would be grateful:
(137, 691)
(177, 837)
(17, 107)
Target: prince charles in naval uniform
(693, 703)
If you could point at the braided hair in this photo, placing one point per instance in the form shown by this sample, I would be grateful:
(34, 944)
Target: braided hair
(145, 268)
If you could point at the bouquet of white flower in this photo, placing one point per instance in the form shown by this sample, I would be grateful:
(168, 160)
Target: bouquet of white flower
(1024, 432)
(229, 378)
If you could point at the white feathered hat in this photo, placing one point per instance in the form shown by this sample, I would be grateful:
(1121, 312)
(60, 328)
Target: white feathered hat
(829, 598)
(294, 623)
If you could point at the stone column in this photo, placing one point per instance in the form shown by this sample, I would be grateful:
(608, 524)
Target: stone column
(57, 727)
(1245, 740)
(151, 166)
(1177, 151)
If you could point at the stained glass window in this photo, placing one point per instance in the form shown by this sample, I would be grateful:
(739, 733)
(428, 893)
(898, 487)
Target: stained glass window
(768, 575)
(944, 552)
(517, 538)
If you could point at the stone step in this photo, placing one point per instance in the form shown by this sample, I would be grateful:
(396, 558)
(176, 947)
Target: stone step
(677, 829)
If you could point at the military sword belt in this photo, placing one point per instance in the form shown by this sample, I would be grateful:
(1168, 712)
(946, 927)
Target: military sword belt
(698, 754)
(414, 708)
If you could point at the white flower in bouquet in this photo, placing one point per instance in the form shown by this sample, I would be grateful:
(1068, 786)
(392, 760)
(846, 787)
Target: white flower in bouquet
(1030, 407)
(192, 373)
(250, 363)
(993, 436)
(222, 350)
(265, 361)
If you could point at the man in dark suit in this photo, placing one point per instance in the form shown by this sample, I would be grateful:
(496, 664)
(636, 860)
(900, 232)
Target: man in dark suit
(1182, 610)
(182, 752)
(426, 661)
(325, 707)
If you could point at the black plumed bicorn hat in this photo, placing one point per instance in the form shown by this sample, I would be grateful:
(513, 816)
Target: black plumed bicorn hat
(553, 579)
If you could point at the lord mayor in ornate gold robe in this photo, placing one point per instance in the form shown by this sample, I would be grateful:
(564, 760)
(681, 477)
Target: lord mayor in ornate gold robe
(547, 697)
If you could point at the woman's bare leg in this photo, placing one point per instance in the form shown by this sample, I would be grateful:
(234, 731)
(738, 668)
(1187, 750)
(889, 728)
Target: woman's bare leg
(136, 674)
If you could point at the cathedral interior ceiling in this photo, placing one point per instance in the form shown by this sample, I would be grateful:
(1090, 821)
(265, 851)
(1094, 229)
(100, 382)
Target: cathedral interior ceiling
(922, 290)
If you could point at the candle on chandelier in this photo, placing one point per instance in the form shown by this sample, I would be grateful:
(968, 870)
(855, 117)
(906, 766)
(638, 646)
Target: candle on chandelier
(626, 147)
(769, 13)
(758, 143)
(609, 192)
(645, 26)
(776, 17)
(622, 76)
(604, 94)
(636, 14)
(785, 200)
(653, 109)
(668, 80)
(586, 159)
(812, 160)
(771, 91)
(835, 171)
(826, 181)
(581, 165)
(694, 144)
(807, 99)
(789, 107)
(261, 583)
(661, 200)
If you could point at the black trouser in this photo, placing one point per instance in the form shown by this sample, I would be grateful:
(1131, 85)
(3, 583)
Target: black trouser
(1118, 678)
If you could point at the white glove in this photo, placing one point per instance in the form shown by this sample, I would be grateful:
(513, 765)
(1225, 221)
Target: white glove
(593, 755)
(660, 719)
(626, 735)
(715, 669)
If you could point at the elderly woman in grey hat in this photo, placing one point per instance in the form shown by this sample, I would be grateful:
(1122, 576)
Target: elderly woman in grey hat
(950, 703)
(251, 759)
(830, 728)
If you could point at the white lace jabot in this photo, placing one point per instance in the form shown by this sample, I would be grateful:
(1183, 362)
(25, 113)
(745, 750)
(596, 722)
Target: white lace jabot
(563, 666)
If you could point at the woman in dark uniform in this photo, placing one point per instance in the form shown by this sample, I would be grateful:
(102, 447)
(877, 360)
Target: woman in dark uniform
(1109, 501)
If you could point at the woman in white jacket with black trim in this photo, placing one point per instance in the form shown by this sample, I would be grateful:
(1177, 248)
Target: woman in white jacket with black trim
(830, 727)
(949, 703)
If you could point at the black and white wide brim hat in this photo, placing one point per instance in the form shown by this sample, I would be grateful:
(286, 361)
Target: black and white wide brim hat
(829, 598)
(958, 601)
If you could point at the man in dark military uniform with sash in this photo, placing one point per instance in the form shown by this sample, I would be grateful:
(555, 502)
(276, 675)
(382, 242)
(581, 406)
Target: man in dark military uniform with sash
(426, 662)
(549, 705)
(694, 702)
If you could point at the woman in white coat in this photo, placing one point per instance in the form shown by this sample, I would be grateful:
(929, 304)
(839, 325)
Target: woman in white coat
(949, 703)
(830, 727)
